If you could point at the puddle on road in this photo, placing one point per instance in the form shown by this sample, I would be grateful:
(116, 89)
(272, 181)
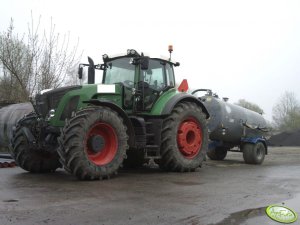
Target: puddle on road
(258, 215)
(248, 216)
(294, 204)
(187, 183)
(236, 218)
(239, 217)
(11, 200)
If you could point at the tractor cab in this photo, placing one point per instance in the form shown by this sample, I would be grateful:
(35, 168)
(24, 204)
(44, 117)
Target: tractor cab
(143, 79)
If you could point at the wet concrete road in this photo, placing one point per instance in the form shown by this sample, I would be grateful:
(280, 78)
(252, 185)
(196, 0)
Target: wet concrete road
(228, 192)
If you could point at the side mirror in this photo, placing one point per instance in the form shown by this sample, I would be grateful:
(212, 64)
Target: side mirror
(80, 72)
(144, 63)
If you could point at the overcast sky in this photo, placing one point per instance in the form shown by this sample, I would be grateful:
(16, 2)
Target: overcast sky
(240, 49)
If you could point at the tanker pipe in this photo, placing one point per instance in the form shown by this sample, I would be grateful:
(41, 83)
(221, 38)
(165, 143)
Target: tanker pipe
(208, 91)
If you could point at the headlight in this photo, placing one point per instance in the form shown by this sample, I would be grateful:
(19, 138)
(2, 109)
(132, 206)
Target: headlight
(51, 113)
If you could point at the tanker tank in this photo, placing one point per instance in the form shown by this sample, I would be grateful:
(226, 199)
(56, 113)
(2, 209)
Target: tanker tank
(229, 122)
(232, 126)
(9, 116)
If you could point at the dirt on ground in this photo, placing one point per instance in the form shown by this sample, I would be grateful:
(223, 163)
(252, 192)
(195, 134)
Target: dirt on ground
(219, 193)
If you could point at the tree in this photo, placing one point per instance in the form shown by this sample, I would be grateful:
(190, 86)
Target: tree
(14, 56)
(38, 61)
(249, 105)
(72, 76)
(286, 112)
(10, 89)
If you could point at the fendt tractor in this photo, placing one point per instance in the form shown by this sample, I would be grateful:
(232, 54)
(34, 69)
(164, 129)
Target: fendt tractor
(135, 115)
(90, 129)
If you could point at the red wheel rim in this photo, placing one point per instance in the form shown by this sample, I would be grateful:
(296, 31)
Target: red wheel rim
(189, 138)
(106, 153)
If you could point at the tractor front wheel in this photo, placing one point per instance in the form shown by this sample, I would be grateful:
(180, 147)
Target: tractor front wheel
(29, 156)
(184, 138)
(93, 143)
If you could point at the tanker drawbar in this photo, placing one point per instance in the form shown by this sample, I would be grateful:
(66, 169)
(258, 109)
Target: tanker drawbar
(232, 126)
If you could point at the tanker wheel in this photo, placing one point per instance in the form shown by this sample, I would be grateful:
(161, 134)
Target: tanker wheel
(254, 153)
(93, 143)
(31, 157)
(184, 138)
(218, 153)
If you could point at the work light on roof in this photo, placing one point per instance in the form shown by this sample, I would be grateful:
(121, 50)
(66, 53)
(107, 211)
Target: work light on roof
(132, 52)
(105, 56)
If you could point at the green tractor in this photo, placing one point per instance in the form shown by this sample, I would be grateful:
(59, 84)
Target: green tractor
(135, 115)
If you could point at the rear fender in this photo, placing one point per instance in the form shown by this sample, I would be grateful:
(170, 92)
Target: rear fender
(183, 97)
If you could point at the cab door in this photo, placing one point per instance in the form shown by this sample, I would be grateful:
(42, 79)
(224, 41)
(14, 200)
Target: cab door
(153, 82)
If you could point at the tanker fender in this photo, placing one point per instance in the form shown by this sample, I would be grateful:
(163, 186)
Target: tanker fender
(254, 140)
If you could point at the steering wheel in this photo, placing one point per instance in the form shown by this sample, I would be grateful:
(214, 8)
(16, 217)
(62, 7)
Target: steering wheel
(143, 83)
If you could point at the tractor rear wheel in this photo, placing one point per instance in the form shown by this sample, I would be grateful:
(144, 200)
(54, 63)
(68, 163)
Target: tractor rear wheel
(218, 153)
(32, 157)
(184, 138)
(254, 153)
(93, 143)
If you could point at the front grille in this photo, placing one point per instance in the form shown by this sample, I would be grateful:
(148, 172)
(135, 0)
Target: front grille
(70, 107)
(51, 99)
(54, 99)
(42, 104)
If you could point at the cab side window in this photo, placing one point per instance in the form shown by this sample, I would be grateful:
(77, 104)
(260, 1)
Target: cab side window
(170, 76)
(159, 75)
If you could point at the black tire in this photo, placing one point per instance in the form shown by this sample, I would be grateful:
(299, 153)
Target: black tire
(77, 155)
(218, 153)
(175, 156)
(135, 159)
(254, 153)
(29, 157)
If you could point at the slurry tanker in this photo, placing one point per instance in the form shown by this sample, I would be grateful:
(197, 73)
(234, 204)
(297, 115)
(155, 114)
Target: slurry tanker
(135, 115)
(232, 126)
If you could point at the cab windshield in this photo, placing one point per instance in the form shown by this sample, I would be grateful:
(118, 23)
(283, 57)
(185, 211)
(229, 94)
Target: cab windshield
(119, 70)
